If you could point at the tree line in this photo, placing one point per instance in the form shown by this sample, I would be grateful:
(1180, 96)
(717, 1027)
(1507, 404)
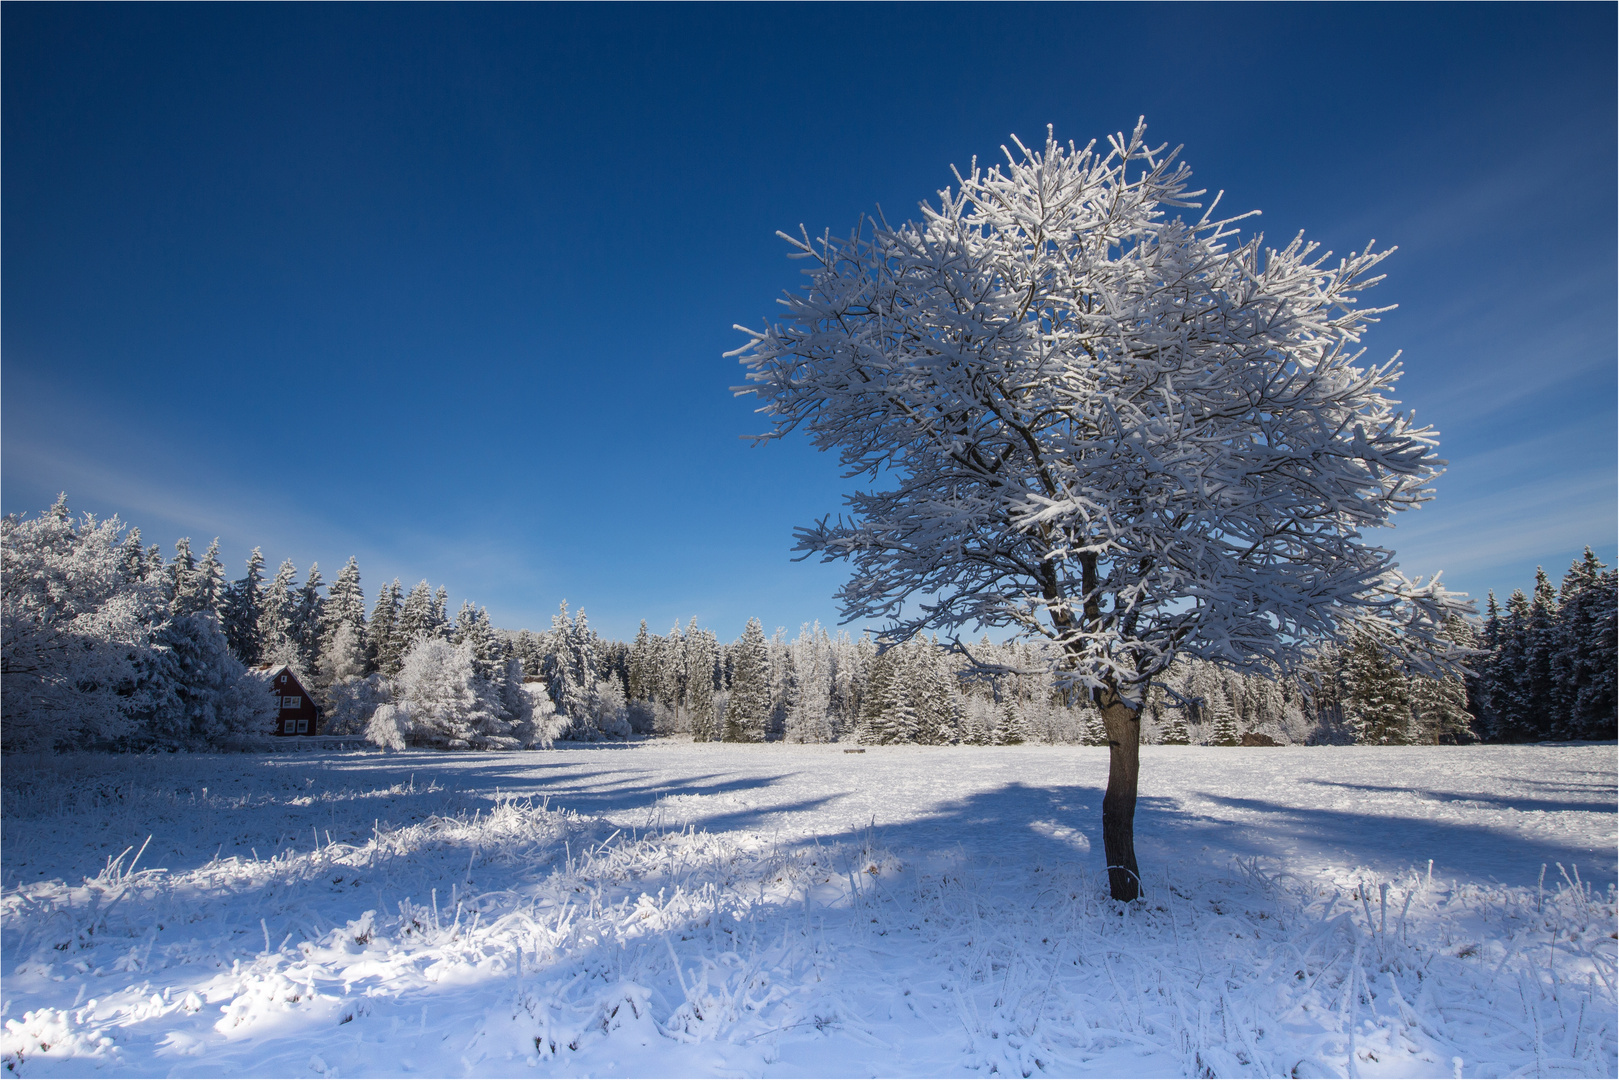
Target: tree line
(109, 644)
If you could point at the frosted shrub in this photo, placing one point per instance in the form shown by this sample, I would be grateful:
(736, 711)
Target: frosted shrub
(389, 727)
(73, 626)
(350, 703)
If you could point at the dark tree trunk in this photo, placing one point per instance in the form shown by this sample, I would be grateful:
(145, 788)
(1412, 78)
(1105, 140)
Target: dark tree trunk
(1123, 726)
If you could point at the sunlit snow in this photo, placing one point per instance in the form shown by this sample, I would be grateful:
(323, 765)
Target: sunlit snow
(665, 908)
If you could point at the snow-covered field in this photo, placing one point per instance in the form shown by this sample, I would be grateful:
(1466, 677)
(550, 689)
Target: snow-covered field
(665, 908)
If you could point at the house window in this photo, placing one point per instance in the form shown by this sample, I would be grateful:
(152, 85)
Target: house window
(292, 702)
(303, 725)
(288, 726)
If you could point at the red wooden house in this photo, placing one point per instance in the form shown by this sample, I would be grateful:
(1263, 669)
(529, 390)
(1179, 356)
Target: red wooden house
(296, 711)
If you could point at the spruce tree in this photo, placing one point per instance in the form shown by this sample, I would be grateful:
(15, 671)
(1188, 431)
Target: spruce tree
(441, 612)
(938, 704)
(1175, 734)
(384, 641)
(418, 621)
(1008, 730)
(345, 603)
(748, 708)
(210, 579)
(1439, 707)
(1376, 694)
(243, 609)
(702, 658)
(1222, 722)
(307, 617)
(879, 700)
(277, 615)
(640, 664)
(1586, 656)
(182, 587)
(133, 557)
(1540, 678)
(1509, 674)
(671, 674)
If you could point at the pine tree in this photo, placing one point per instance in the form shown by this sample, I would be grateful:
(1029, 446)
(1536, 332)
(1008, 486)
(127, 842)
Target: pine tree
(211, 587)
(880, 700)
(1439, 707)
(702, 658)
(1585, 660)
(640, 664)
(1176, 734)
(1222, 723)
(671, 674)
(938, 698)
(1540, 678)
(385, 644)
(277, 616)
(1509, 674)
(531, 651)
(345, 604)
(133, 557)
(748, 709)
(244, 608)
(418, 621)
(441, 612)
(182, 587)
(571, 675)
(1377, 694)
(809, 716)
(1008, 730)
(307, 617)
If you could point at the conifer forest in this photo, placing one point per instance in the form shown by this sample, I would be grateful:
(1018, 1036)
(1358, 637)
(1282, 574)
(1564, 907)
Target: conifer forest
(110, 643)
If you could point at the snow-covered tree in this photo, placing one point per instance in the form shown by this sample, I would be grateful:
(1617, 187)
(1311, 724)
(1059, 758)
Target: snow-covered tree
(437, 689)
(702, 658)
(1511, 708)
(211, 587)
(809, 714)
(1222, 724)
(180, 586)
(1585, 662)
(308, 618)
(344, 605)
(1377, 694)
(276, 619)
(344, 656)
(243, 609)
(748, 707)
(419, 618)
(1105, 423)
(183, 590)
(641, 660)
(74, 629)
(196, 693)
(384, 643)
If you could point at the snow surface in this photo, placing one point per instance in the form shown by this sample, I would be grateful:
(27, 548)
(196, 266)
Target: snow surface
(667, 908)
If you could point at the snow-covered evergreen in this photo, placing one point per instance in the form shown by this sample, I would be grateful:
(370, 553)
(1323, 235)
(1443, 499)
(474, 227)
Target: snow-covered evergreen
(748, 708)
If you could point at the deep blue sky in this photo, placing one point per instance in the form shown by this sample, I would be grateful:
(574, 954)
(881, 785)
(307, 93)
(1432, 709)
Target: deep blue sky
(447, 288)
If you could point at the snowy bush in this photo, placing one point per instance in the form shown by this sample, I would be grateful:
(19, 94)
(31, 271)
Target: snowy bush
(351, 701)
(74, 628)
(196, 693)
(389, 727)
(443, 701)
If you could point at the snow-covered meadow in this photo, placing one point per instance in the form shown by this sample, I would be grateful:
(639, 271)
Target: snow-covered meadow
(670, 908)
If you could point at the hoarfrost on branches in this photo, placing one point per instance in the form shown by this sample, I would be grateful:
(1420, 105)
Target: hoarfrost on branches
(1126, 430)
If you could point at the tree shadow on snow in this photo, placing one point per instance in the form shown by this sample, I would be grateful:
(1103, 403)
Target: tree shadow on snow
(1505, 802)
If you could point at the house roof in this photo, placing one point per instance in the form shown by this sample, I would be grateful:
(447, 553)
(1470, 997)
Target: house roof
(268, 672)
